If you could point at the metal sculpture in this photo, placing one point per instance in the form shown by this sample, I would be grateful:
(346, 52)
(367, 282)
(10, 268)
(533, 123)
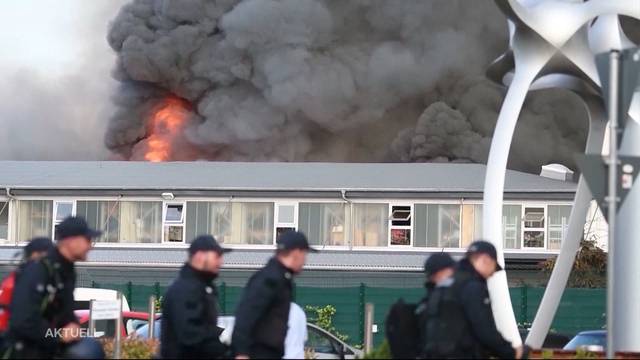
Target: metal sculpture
(552, 44)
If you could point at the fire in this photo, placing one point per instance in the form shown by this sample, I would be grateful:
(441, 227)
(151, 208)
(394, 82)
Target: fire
(167, 124)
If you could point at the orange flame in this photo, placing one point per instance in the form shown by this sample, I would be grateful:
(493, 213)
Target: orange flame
(166, 125)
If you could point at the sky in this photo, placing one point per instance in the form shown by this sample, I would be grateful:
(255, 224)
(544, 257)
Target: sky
(55, 68)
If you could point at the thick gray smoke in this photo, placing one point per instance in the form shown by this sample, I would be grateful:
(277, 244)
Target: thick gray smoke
(331, 80)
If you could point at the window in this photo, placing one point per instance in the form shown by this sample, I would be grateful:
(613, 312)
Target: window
(174, 222)
(471, 224)
(558, 224)
(437, 225)
(320, 342)
(286, 218)
(124, 221)
(511, 224)
(34, 219)
(370, 224)
(257, 224)
(4, 222)
(102, 215)
(231, 223)
(534, 227)
(323, 223)
(61, 211)
(400, 225)
(213, 218)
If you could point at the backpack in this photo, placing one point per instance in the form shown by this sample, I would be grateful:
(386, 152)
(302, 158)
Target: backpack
(6, 294)
(402, 329)
(7, 349)
(446, 323)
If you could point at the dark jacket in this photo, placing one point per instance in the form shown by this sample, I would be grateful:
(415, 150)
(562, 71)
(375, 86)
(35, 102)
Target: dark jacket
(263, 313)
(42, 302)
(190, 316)
(481, 334)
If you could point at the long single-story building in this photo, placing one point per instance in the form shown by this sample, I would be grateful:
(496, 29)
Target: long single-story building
(371, 221)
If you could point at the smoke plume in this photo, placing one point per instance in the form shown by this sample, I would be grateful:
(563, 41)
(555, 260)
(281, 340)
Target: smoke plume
(326, 80)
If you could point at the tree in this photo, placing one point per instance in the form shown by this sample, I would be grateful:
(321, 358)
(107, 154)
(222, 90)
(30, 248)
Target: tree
(589, 269)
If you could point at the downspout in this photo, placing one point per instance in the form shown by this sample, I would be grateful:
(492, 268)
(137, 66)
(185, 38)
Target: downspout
(343, 193)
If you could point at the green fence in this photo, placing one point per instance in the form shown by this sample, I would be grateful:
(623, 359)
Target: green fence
(580, 309)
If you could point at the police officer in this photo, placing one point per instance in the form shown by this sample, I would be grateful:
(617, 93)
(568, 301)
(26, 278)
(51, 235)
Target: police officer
(36, 249)
(438, 269)
(190, 306)
(42, 320)
(461, 322)
(263, 312)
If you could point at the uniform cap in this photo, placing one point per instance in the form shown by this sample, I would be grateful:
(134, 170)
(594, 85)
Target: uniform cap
(291, 240)
(37, 244)
(484, 247)
(206, 243)
(437, 262)
(75, 226)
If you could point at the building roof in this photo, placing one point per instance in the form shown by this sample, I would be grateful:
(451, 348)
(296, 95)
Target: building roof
(242, 176)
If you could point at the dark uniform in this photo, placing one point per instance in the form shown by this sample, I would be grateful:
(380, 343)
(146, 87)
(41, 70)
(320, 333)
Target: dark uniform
(189, 317)
(190, 311)
(460, 320)
(434, 264)
(42, 301)
(263, 313)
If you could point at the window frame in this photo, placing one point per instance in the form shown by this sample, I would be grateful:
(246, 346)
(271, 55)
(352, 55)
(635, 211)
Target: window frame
(168, 224)
(276, 217)
(543, 229)
(9, 241)
(54, 214)
(391, 227)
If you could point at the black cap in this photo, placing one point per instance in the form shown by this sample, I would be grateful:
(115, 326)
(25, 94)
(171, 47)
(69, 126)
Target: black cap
(484, 247)
(206, 243)
(437, 262)
(291, 240)
(37, 244)
(75, 226)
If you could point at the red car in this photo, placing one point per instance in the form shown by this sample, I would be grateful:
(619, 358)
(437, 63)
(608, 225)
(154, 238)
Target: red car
(131, 320)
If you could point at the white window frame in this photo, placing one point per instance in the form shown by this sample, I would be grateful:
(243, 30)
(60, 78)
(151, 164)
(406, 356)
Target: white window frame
(400, 227)
(564, 228)
(276, 217)
(543, 229)
(54, 213)
(180, 224)
(9, 209)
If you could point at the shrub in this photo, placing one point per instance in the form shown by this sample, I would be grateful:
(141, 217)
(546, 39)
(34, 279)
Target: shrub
(381, 352)
(132, 348)
(323, 318)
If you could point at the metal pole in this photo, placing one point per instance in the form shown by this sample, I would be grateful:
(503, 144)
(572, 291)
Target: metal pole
(612, 200)
(152, 315)
(118, 342)
(368, 327)
(92, 323)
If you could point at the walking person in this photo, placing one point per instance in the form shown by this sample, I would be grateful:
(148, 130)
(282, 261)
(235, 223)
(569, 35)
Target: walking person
(190, 306)
(42, 323)
(438, 269)
(263, 312)
(460, 322)
(36, 249)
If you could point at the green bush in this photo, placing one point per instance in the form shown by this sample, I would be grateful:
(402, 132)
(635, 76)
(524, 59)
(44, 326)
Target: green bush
(132, 348)
(323, 318)
(381, 352)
